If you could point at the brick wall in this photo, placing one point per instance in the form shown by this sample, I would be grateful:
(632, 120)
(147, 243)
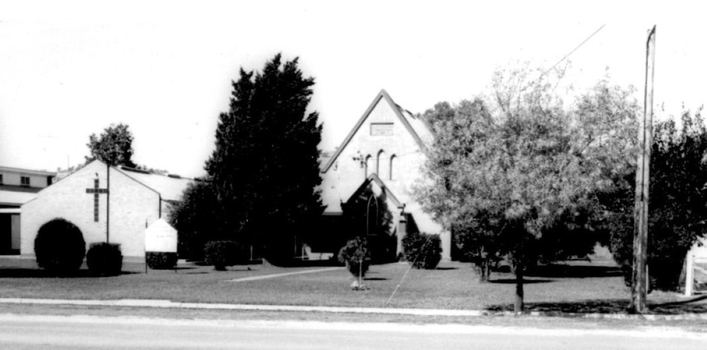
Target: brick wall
(347, 174)
(132, 206)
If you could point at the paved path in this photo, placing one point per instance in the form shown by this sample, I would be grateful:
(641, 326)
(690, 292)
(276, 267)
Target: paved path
(276, 275)
(95, 332)
(149, 303)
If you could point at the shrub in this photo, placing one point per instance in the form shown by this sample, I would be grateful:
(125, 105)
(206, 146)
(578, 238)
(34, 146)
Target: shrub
(422, 250)
(356, 256)
(161, 260)
(220, 254)
(104, 259)
(59, 246)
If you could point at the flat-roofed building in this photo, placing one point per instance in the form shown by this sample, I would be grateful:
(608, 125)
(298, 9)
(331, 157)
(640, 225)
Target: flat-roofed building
(17, 187)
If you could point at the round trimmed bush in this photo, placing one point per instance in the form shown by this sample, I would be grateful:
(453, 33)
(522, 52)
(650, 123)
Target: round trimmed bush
(59, 246)
(220, 254)
(104, 259)
(356, 256)
(161, 260)
(422, 251)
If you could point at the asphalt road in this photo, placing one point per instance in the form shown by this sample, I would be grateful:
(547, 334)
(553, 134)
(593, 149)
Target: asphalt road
(90, 332)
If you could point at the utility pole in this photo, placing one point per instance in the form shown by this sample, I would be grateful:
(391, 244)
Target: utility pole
(639, 276)
(108, 203)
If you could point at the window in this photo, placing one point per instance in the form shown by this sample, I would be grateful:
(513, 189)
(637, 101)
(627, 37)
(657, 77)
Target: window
(392, 161)
(381, 154)
(24, 180)
(381, 129)
(368, 158)
(50, 179)
(0, 179)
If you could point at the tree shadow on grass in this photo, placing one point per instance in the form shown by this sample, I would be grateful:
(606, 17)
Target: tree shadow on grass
(446, 268)
(375, 279)
(574, 271)
(609, 306)
(697, 305)
(39, 273)
(513, 281)
(195, 273)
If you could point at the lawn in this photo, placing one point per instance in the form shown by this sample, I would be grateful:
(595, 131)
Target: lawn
(576, 286)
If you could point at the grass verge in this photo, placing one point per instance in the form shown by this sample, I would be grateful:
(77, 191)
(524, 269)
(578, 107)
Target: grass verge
(575, 287)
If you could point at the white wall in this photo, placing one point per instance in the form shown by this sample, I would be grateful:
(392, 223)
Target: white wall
(15, 179)
(346, 174)
(132, 206)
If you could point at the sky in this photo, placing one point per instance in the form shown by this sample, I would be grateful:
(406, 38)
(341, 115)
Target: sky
(70, 69)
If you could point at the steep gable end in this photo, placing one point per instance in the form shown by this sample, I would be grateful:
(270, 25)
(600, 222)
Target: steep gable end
(404, 116)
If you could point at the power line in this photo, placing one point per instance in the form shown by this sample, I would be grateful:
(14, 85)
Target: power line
(571, 52)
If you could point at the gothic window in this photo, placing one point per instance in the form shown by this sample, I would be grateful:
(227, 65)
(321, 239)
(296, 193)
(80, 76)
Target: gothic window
(379, 158)
(392, 162)
(367, 163)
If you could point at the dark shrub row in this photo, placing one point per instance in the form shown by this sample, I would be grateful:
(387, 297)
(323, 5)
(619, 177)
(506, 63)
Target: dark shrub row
(104, 259)
(161, 260)
(422, 250)
(221, 254)
(59, 247)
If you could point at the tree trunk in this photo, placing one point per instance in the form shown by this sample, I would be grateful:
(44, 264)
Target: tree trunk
(488, 270)
(483, 268)
(518, 307)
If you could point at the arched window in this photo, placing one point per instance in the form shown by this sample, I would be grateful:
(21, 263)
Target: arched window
(392, 161)
(366, 165)
(379, 158)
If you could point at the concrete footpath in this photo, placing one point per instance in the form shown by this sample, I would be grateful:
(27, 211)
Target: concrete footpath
(147, 303)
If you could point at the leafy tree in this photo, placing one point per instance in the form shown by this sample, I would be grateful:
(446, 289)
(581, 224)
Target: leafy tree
(196, 219)
(113, 147)
(356, 255)
(265, 168)
(677, 215)
(508, 168)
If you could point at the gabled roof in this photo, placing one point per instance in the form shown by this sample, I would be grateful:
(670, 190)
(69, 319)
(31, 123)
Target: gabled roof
(413, 124)
(169, 187)
(389, 194)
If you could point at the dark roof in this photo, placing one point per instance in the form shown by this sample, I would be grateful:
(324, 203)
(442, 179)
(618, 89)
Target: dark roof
(389, 194)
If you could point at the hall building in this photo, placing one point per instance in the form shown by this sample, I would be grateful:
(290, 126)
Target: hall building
(106, 203)
(17, 186)
(382, 154)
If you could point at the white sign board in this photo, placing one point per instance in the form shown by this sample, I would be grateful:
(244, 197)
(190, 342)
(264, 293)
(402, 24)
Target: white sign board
(161, 237)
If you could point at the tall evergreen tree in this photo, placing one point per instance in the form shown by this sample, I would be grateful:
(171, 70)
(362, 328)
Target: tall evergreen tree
(265, 168)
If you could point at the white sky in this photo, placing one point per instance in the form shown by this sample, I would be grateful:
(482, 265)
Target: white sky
(71, 68)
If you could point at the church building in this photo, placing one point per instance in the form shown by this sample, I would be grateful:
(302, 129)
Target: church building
(383, 154)
(106, 203)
